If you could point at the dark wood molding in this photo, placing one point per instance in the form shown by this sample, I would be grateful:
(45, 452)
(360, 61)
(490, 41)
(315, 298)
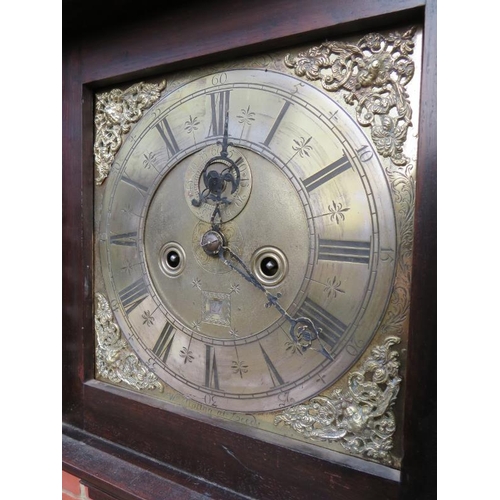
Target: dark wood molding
(420, 462)
(252, 467)
(111, 471)
(108, 437)
(72, 255)
(204, 32)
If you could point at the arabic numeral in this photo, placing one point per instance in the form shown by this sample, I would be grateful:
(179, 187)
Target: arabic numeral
(353, 348)
(365, 153)
(210, 400)
(219, 79)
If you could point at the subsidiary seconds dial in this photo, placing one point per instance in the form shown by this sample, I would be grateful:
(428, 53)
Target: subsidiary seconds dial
(301, 200)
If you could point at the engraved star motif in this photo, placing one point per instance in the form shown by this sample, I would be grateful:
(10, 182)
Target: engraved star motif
(148, 318)
(302, 147)
(239, 367)
(337, 212)
(191, 125)
(246, 117)
(333, 287)
(186, 354)
(233, 333)
(129, 267)
(149, 160)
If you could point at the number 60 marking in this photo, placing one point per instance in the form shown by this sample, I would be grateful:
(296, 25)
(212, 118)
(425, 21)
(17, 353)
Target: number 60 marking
(219, 79)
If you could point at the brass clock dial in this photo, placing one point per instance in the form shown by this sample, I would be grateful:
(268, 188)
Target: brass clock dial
(307, 219)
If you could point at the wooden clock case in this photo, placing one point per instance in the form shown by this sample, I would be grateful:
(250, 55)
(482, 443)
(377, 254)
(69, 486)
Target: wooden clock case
(123, 448)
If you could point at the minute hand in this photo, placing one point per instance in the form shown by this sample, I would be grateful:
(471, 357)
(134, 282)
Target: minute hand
(303, 331)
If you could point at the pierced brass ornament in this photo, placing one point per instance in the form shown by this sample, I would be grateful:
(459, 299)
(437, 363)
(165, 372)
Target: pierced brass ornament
(116, 111)
(359, 417)
(375, 72)
(115, 360)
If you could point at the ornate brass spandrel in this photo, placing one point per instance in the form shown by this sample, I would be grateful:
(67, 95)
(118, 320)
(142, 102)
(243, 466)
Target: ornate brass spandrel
(359, 416)
(374, 72)
(115, 360)
(115, 113)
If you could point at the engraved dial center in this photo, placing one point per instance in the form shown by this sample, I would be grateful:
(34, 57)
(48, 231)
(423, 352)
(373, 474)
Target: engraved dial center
(211, 300)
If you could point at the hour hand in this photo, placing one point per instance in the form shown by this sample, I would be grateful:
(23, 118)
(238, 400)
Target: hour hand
(219, 172)
(225, 137)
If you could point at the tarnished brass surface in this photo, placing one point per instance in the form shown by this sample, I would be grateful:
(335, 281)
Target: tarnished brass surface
(116, 111)
(374, 73)
(361, 418)
(317, 195)
(115, 361)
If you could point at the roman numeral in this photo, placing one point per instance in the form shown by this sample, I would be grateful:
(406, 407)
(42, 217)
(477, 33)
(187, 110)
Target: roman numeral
(125, 239)
(211, 375)
(275, 376)
(164, 342)
(327, 173)
(344, 251)
(168, 137)
(131, 182)
(277, 123)
(133, 295)
(332, 328)
(219, 102)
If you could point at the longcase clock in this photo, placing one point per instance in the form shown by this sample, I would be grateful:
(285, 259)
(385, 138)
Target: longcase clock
(249, 291)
